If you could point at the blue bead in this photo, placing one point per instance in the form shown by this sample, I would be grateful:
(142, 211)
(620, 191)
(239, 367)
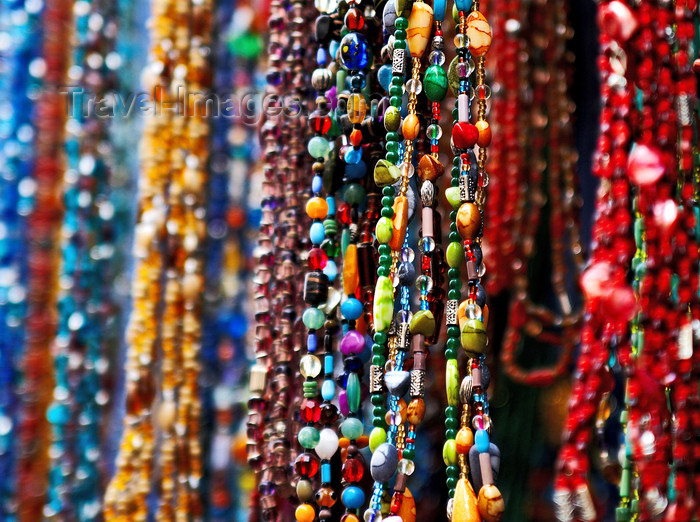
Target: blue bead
(317, 233)
(351, 309)
(331, 270)
(353, 52)
(326, 473)
(331, 205)
(321, 56)
(464, 5)
(328, 364)
(333, 47)
(328, 390)
(353, 497)
(356, 170)
(384, 75)
(58, 414)
(317, 184)
(311, 343)
(439, 9)
(481, 441)
(353, 156)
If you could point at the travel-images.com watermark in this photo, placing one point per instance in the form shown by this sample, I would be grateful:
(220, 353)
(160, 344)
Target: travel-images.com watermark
(247, 108)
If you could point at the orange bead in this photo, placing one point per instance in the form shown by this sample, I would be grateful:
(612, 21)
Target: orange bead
(407, 511)
(484, 129)
(356, 137)
(305, 513)
(317, 208)
(468, 221)
(363, 441)
(349, 517)
(465, 507)
(351, 277)
(464, 440)
(410, 128)
(399, 223)
(343, 442)
(357, 108)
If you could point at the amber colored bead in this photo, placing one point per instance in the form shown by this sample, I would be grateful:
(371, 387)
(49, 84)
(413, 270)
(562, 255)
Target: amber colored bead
(484, 129)
(317, 208)
(410, 128)
(469, 221)
(363, 441)
(399, 223)
(326, 497)
(416, 411)
(349, 517)
(464, 440)
(465, 507)
(357, 108)
(305, 513)
(407, 510)
(403, 407)
(491, 503)
(351, 277)
(356, 137)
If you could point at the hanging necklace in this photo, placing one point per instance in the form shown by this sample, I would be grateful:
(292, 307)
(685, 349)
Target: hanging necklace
(43, 228)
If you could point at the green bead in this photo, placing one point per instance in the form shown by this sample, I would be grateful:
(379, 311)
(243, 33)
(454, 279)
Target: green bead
(453, 331)
(344, 241)
(452, 195)
(392, 146)
(451, 412)
(455, 13)
(392, 120)
(378, 422)
(400, 33)
(623, 514)
(450, 353)
(378, 411)
(353, 392)
(383, 271)
(310, 389)
(396, 101)
(454, 236)
(453, 79)
(318, 147)
(452, 382)
(392, 157)
(400, 44)
(452, 471)
(454, 254)
(408, 454)
(392, 136)
(385, 260)
(354, 194)
(451, 491)
(449, 452)
(377, 437)
(377, 349)
(397, 80)
(383, 304)
(386, 173)
(454, 181)
(450, 434)
(455, 284)
(384, 250)
(387, 212)
(401, 22)
(308, 437)
(378, 360)
(423, 323)
(395, 90)
(384, 230)
(313, 318)
(452, 344)
(435, 83)
(473, 337)
(352, 428)
(377, 399)
(388, 191)
(451, 483)
(379, 338)
(453, 294)
(452, 423)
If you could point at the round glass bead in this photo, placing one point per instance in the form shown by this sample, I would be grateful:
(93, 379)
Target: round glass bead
(317, 258)
(308, 437)
(353, 52)
(318, 147)
(434, 132)
(351, 308)
(414, 86)
(437, 58)
(310, 366)
(351, 428)
(406, 466)
(313, 318)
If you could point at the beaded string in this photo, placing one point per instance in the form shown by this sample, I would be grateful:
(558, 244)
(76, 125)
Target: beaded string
(43, 226)
(18, 79)
(85, 300)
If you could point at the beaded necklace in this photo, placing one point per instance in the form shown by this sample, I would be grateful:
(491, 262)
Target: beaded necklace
(86, 300)
(175, 153)
(43, 228)
(19, 78)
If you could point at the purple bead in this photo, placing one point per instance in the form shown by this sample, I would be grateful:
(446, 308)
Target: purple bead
(343, 403)
(352, 343)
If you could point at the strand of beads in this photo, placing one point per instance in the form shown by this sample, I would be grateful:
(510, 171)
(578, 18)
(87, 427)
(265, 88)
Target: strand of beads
(18, 79)
(322, 299)
(43, 226)
(85, 297)
(608, 298)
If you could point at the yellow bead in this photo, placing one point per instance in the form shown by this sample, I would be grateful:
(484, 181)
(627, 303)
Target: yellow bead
(465, 508)
(491, 504)
(357, 108)
(305, 513)
(317, 208)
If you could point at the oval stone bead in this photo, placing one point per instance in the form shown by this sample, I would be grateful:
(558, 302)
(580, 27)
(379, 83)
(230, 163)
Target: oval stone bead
(449, 452)
(423, 323)
(327, 444)
(377, 437)
(383, 309)
(415, 411)
(384, 461)
(473, 337)
(399, 223)
(452, 382)
(420, 23)
(392, 119)
(386, 173)
(351, 277)
(469, 221)
(452, 195)
(479, 33)
(383, 230)
(435, 83)
(351, 428)
(410, 127)
(491, 503)
(353, 392)
(313, 318)
(454, 254)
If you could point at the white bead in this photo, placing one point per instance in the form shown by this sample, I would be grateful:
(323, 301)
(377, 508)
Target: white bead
(327, 444)
(463, 102)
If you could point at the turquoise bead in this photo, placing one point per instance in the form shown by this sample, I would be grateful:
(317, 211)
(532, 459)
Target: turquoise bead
(317, 233)
(353, 497)
(318, 147)
(439, 7)
(464, 5)
(308, 437)
(481, 441)
(313, 318)
(331, 270)
(351, 309)
(352, 156)
(328, 390)
(352, 428)
(353, 392)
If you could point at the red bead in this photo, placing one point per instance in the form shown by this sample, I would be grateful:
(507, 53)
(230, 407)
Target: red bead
(306, 464)
(310, 411)
(464, 135)
(317, 259)
(353, 469)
